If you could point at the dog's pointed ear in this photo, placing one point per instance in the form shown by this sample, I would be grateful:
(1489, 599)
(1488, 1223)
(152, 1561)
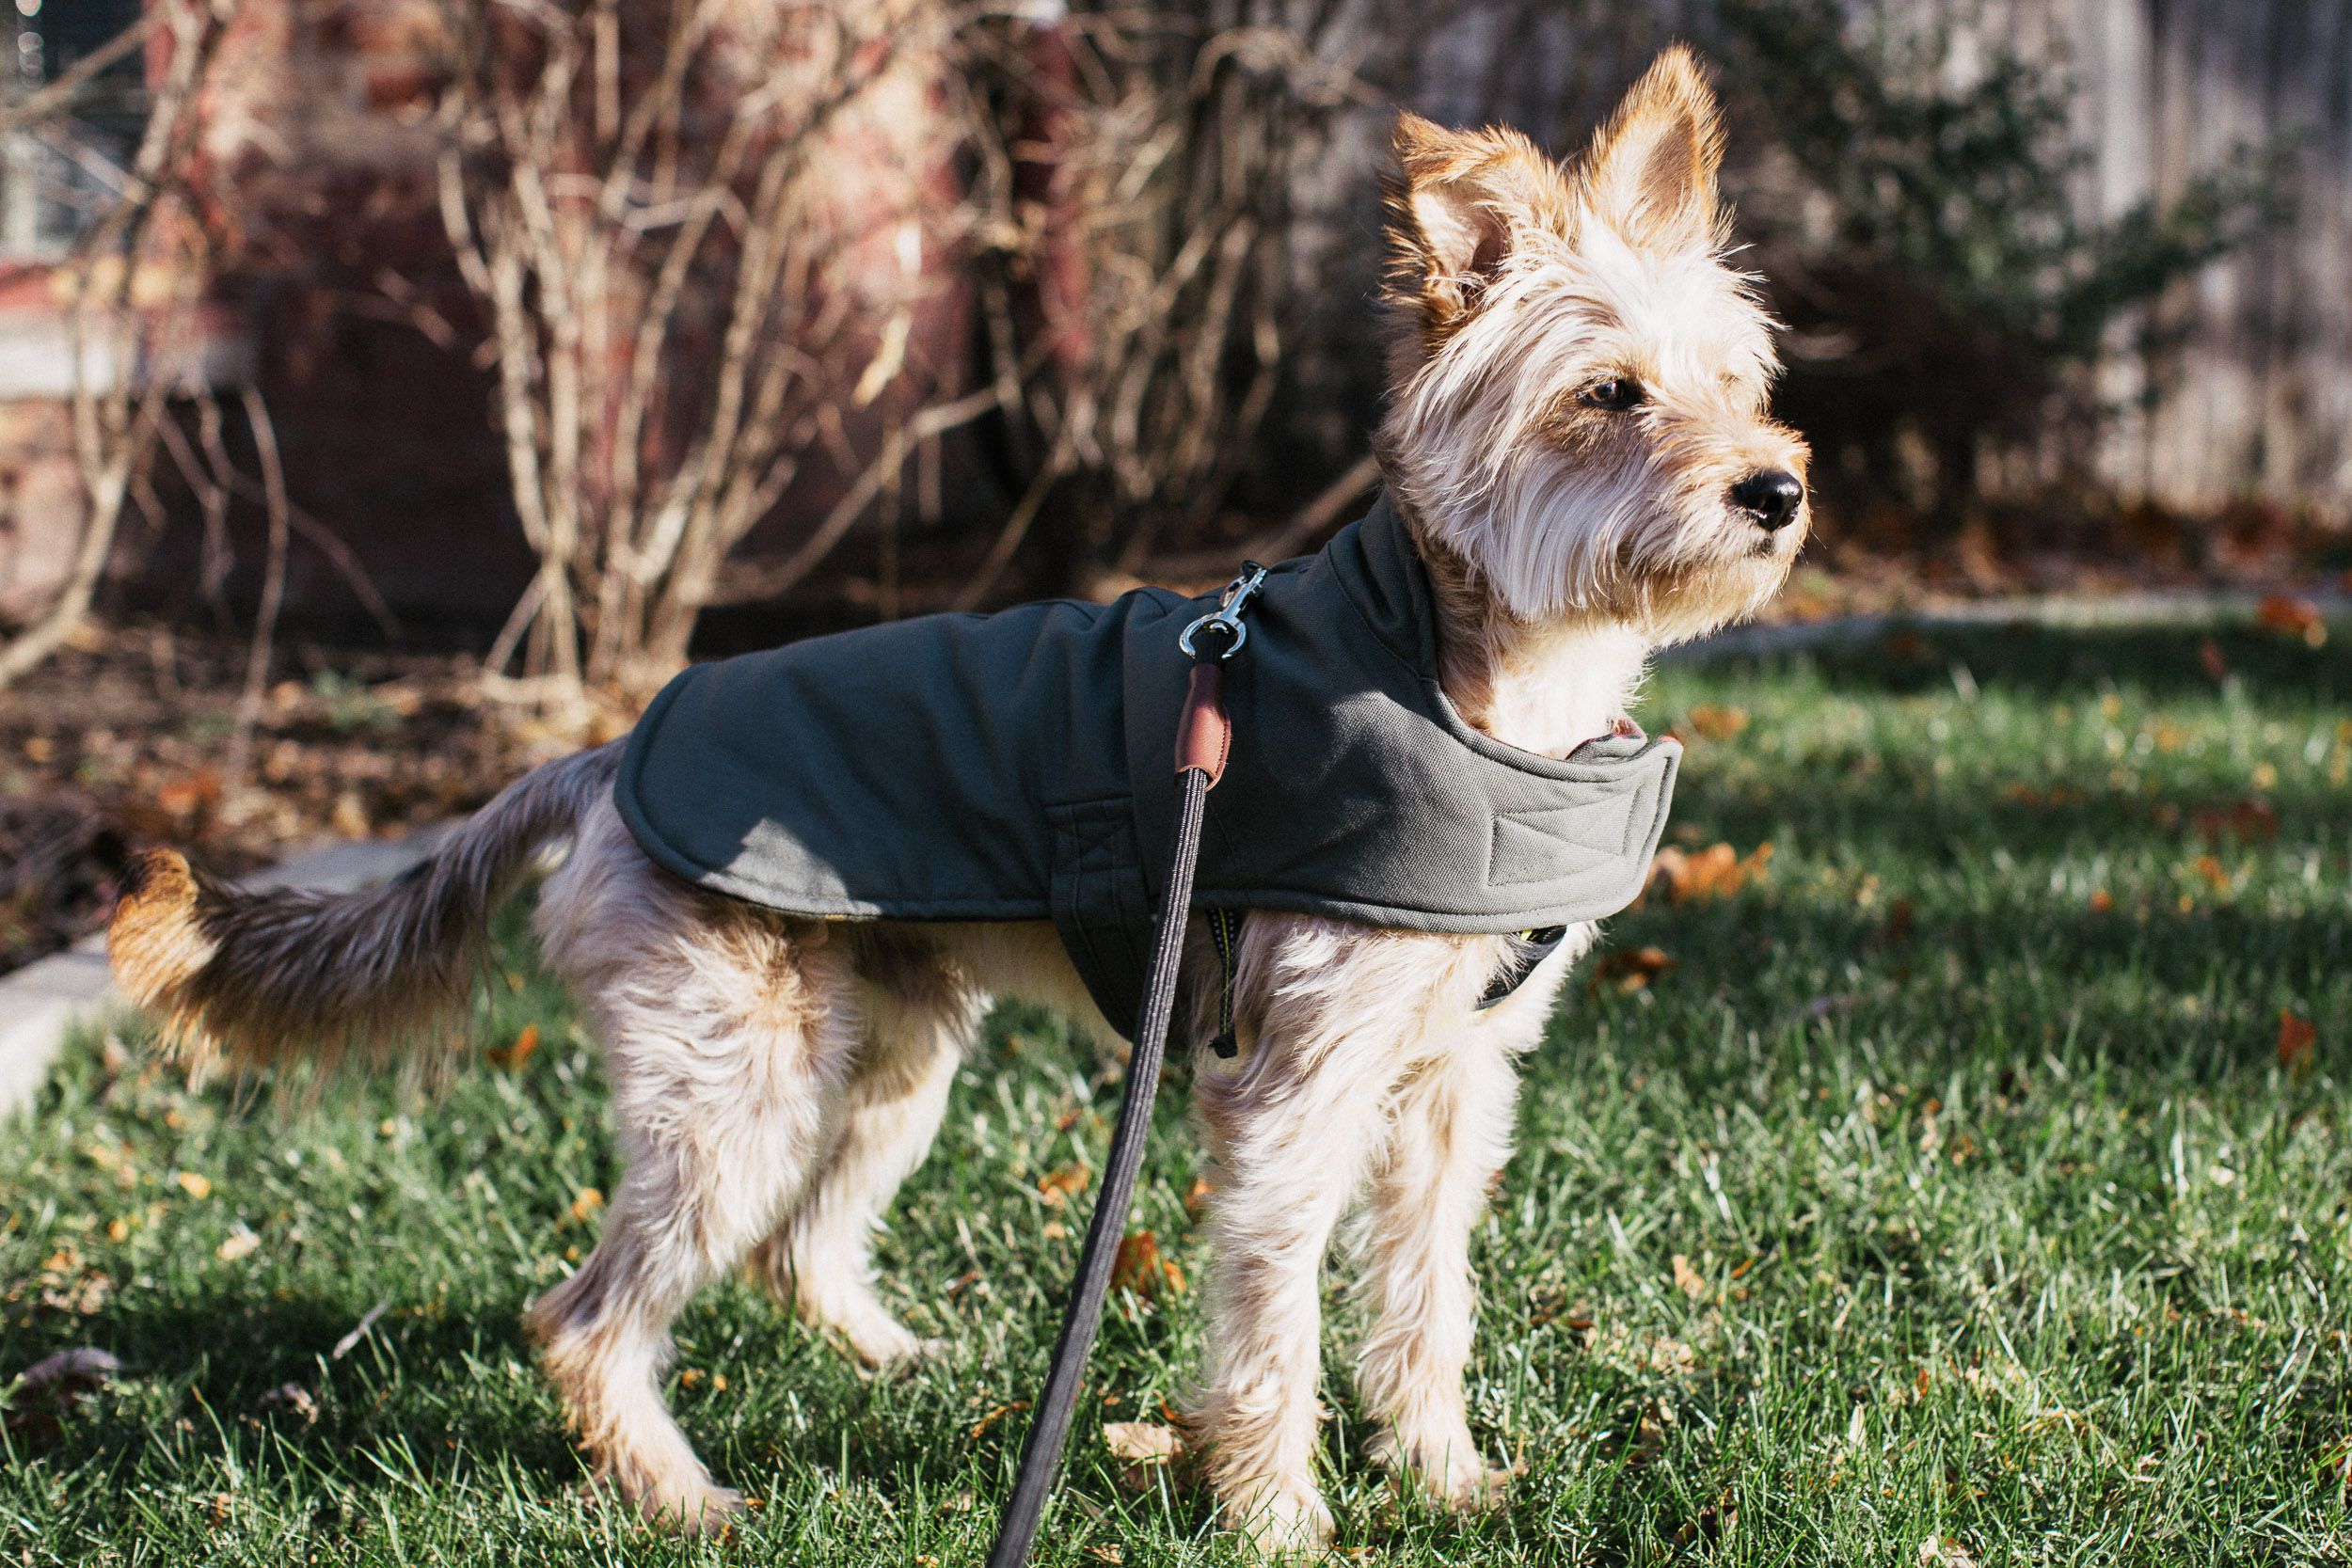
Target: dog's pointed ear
(1650, 173)
(1467, 201)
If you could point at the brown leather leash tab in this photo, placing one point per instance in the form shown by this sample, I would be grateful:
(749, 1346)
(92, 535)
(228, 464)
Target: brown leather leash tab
(1205, 738)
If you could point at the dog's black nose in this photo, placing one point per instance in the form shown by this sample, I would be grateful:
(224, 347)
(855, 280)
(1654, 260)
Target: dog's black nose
(1772, 496)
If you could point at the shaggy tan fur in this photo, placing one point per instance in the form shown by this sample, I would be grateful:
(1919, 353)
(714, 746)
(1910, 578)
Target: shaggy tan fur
(1579, 383)
(267, 979)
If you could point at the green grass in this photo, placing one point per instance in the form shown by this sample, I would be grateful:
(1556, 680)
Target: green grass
(2002, 1222)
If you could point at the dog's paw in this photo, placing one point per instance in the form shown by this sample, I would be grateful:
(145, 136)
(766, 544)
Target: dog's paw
(682, 1508)
(1451, 1471)
(871, 1331)
(1282, 1523)
(886, 1344)
(709, 1512)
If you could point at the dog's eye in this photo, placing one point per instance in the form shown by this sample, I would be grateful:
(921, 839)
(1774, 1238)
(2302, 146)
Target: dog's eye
(1617, 393)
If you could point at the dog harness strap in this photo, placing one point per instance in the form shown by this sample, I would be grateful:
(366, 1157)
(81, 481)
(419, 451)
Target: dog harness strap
(1203, 735)
(1528, 950)
(1225, 931)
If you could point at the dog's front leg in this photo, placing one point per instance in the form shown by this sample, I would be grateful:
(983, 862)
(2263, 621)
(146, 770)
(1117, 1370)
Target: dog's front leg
(1328, 1013)
(1450, 1135)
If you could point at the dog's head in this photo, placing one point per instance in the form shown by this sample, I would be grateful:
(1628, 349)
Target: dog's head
(1579, 380)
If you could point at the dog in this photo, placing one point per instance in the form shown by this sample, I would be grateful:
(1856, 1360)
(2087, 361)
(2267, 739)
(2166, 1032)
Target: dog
(1577, 441)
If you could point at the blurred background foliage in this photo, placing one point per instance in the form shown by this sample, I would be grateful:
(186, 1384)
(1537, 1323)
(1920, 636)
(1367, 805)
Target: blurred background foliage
(578, 331)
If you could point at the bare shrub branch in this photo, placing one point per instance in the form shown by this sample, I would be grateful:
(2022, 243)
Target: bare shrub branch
(643, 198)
(1136, 166)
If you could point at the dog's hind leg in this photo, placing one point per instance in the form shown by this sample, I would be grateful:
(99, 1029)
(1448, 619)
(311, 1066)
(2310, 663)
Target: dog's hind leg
(729, 1036)
(820, 1260)
(1451, 1131)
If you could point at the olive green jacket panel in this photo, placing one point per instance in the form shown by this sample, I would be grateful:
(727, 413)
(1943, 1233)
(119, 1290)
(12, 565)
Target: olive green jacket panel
(1019, 766)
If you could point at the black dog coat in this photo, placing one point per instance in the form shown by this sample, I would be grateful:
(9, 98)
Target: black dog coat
(1018, 766)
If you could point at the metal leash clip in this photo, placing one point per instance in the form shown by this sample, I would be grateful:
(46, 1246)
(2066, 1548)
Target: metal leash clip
(1227, 615)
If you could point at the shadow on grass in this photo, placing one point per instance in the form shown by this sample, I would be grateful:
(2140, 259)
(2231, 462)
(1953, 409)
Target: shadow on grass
(1779, 960)
(238, 1356)
(440, 1393)
(2055, 662)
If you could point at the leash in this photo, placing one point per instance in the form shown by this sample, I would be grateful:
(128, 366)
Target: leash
(1203, 737)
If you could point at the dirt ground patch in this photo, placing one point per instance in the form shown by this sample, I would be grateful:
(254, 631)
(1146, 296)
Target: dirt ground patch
(123, 740)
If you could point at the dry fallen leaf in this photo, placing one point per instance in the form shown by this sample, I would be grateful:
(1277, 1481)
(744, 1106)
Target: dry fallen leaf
(1145, 1447)
(1900, 920)
(83, 1295)
(1687, 1279)
(189, 797)
(237, 1246)
(2293, 616)
(1650, 1434)
(2296, 1035)
(194, 1185)
(349, 816)
(586, 1203)
(514, 1056)
(997, 1415)
(1718, 871)
(1945, 1553)
(1630, 968)
(1197, 1197)
(1718, 723)
(2102, 900)
(1140, 1268)
(76, 1370)
(1145, 1440)
(1055, 1187)
(47, 1390)
(2248, 821)
(294, 1399)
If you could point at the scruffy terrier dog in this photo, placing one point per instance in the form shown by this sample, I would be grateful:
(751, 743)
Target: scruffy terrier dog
(1578, 445)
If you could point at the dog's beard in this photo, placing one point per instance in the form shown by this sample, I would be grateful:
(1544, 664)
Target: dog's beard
(1677, 601)
(1623, 545)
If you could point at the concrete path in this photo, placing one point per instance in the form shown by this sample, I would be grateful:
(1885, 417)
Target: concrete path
(41, 1003)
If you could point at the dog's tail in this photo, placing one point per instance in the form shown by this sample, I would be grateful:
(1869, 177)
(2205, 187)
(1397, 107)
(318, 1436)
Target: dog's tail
(265, 978)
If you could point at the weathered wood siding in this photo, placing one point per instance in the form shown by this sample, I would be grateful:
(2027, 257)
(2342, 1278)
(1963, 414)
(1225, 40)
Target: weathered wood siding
(2258, 394)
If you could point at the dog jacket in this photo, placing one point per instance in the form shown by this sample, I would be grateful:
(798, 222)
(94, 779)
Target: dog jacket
(1019, 767)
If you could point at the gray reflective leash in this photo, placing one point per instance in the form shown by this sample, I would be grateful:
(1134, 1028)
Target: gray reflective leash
(1203, 737)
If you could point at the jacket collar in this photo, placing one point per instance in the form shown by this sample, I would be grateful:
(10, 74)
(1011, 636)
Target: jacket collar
(1383, 577)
